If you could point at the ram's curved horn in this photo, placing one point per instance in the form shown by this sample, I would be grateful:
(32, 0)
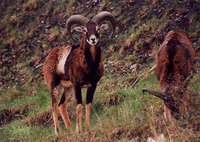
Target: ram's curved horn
(184, 84)
(75, 19)
(105, 16)
(157, 94)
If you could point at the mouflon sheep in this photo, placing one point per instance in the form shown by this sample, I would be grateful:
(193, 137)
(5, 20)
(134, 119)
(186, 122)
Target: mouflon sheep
(75, 67)
(174, 69)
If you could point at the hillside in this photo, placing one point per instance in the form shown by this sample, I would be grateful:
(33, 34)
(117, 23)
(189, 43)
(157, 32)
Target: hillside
(29, 29)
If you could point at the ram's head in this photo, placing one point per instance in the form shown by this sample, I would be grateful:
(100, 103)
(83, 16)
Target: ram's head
(91, 27)
(175, 98)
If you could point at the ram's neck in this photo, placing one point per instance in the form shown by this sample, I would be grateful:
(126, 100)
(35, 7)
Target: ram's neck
(92, 53)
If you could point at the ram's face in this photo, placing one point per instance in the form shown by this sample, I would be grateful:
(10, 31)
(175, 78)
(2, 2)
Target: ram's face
(175, 98)
(91, 33)
(173, 104)
(177, 101)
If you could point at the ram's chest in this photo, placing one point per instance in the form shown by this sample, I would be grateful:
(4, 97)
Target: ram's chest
(86, 75)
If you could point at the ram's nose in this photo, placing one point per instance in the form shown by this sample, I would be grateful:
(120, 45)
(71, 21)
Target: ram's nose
(93, 40)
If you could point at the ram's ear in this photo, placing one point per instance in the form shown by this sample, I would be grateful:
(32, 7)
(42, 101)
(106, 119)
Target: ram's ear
(97, 28)
(80, 29)
(104, 27)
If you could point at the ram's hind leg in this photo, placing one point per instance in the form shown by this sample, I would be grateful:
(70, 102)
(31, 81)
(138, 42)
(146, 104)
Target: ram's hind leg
(62, 107)
(54, 94)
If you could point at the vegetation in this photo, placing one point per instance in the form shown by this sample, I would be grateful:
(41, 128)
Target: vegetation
(29, 29)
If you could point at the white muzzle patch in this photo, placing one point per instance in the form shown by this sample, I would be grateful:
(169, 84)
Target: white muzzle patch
(92, 40)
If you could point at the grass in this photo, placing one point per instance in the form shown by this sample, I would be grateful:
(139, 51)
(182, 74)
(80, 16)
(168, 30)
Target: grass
(126, 109)
(17, 131)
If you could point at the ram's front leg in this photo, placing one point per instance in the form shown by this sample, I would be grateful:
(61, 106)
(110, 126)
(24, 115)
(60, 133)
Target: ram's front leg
(79, 111)
(89, 98)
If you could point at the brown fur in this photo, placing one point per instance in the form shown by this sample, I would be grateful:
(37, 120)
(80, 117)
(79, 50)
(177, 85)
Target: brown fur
(83, 68)
(76, 67)
(173, 65)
